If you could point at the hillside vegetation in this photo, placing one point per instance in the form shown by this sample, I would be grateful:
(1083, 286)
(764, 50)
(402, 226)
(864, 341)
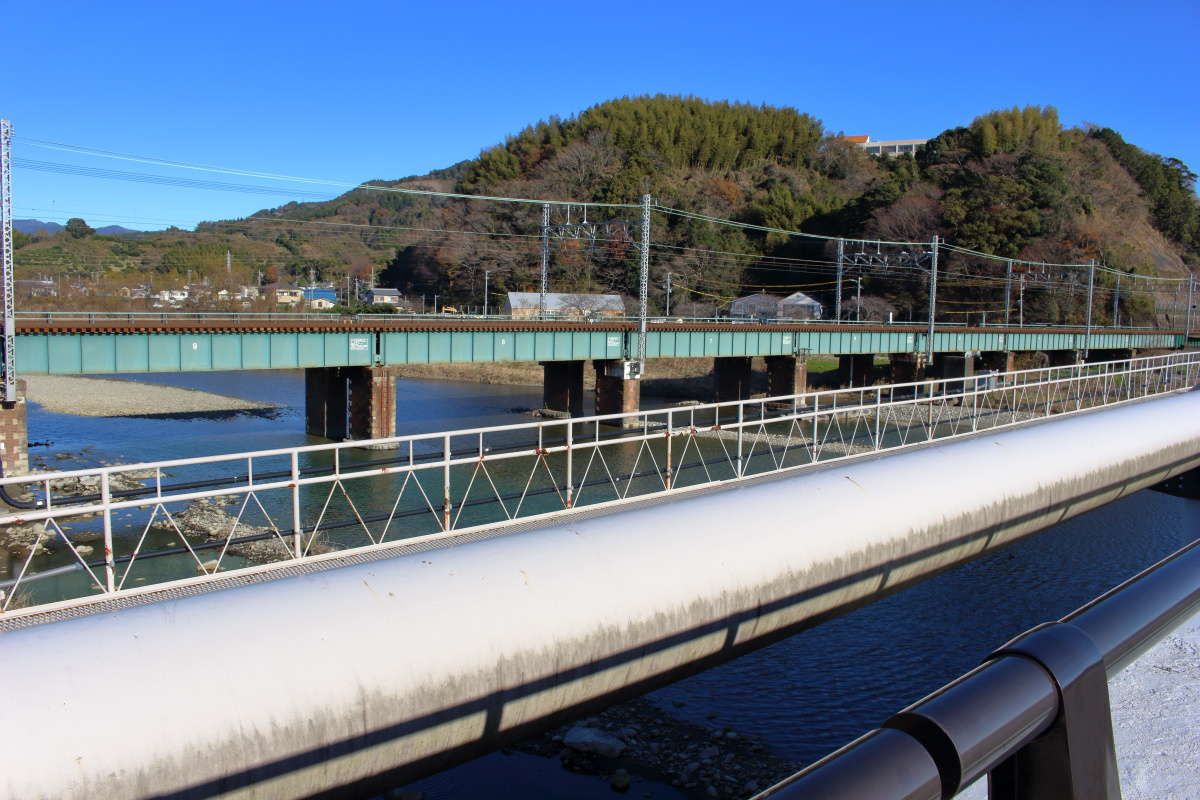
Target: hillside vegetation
(1014, 183)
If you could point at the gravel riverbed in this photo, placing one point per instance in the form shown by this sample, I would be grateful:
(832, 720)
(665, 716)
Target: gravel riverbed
(106, 397)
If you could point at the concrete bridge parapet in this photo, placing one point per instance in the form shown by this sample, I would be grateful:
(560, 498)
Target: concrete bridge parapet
(540, 636)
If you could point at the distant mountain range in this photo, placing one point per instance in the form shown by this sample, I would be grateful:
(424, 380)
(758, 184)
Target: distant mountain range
(34, 225)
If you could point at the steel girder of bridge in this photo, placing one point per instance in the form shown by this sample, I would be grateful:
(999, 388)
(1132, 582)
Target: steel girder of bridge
(83, 350)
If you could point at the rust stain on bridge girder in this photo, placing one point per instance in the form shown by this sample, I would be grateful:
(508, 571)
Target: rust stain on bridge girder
(26, 326)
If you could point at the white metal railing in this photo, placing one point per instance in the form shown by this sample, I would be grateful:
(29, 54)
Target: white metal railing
(166, 522)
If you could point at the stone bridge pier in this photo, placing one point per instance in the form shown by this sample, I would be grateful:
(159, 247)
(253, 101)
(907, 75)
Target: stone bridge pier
(1063, 358)
(907, 367)
(343, 403)
(731, 378)
(616, 394)
(856, 369)
(14, 435)
(1119, 354)
(786, 375)
(997, 360)
(562, 387)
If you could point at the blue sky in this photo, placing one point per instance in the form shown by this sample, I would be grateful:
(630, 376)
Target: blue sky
(359, 90)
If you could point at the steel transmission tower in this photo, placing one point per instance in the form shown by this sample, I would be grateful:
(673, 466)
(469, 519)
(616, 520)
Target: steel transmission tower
(6, 262)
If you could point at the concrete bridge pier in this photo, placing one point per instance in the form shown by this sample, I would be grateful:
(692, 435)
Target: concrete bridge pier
(14, 435)
(953, 365)
(998, 360)
(786, 375)
(343, 403)
(1118, 354)
(616, 394)
(731, 378)
(372, 402)
(907, 367)
(325, 403)
(856, 369)
(1063, 358)
(562, 387)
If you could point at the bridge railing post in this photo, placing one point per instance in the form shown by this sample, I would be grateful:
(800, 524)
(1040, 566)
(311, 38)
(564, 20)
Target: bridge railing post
(974, 403)
(741, 423)
(929, 412)
(297, 535)
(570, 444)
(446, 505)
(109, 563)
(668, 468)
(878, 413)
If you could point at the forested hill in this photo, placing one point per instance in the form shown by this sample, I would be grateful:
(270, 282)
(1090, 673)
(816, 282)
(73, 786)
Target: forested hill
(1014, 183)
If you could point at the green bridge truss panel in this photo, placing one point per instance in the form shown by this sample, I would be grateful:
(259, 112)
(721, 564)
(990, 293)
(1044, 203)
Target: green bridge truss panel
(75, 354)
(78, 353)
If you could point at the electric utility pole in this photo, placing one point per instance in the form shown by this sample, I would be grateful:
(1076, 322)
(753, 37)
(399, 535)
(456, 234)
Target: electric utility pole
(1116, 303)
(1007, 289)
(1021, 301)
(841, 256)
(643, 284)
(1087, 340)
(545, 260)
(933, 269)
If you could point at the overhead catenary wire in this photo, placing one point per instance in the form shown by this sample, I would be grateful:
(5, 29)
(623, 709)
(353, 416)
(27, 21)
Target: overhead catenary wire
(757, 261)
(91, 151)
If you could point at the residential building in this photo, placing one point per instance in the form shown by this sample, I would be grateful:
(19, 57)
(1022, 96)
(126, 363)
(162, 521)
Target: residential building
(42, 288)
(284, 293)
(892, 147)
(320, 297)
(800, 306)
(171, 296)
(377, 297)
(756, 306)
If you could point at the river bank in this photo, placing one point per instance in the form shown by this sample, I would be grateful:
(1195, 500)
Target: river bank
(107, 397)
(666, 378)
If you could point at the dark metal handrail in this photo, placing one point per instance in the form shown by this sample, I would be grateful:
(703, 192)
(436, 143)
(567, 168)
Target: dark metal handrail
(1034, 717)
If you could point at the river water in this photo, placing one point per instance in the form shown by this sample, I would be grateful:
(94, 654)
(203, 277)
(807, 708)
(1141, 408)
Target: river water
(806, 695)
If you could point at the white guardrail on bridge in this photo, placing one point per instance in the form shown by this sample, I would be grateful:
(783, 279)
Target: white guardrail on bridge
(110, 531)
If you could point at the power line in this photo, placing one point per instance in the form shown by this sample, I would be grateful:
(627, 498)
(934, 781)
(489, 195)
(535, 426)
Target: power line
(91, 151)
